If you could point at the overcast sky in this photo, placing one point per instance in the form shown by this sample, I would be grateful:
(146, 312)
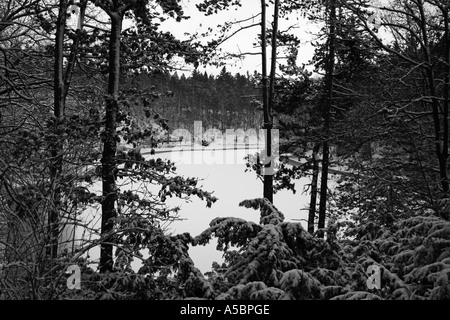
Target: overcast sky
(244, 40)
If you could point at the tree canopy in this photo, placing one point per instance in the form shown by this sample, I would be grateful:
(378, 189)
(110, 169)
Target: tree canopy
(84, 109)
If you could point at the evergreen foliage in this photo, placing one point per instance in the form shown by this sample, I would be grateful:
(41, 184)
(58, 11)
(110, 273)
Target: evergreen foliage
(280, 260)
(388, 136)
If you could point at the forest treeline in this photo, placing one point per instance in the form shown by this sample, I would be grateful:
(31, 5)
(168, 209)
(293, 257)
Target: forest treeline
(220, 102)
(370, 130)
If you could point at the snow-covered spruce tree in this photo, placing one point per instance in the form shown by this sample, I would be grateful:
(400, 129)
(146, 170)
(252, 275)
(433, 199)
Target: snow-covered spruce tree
(274, 259)
(280, 260)
(414, 258)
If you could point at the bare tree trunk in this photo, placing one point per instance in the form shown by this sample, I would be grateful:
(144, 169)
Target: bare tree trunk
(58, 111)
(441, 138)
(268, 95)
(273, 65)
(445, 184)
(110, 146)
(62, 81)
(327, 117)
(59, 55)
(266, 189)
(74, 51)
(314, 180)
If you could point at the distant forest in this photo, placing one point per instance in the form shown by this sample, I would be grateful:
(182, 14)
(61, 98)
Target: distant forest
(221, 102)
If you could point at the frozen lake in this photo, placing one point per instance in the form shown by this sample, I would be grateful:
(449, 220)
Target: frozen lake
(230, 184)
